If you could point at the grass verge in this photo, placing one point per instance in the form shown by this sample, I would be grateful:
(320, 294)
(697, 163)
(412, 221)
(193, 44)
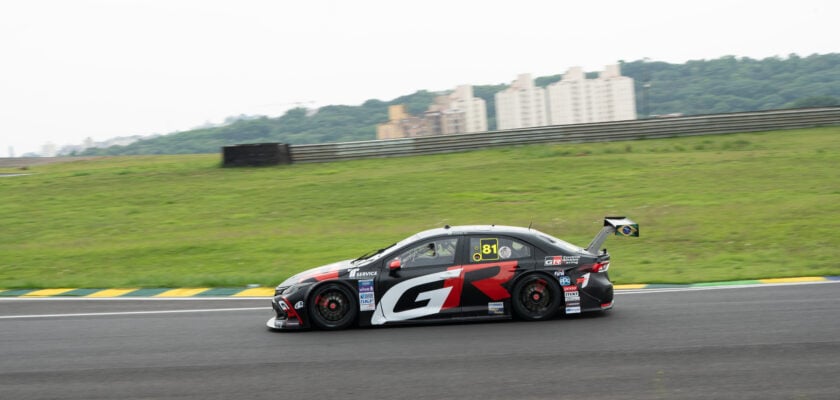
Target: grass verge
(711, 208)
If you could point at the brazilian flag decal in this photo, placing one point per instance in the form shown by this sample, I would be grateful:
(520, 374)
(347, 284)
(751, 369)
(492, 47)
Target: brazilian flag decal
(627, 230)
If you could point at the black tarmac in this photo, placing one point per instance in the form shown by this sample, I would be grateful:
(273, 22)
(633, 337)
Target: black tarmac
(767, 342)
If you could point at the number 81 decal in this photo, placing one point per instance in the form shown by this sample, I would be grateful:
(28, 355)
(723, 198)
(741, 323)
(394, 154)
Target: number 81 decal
(487, 249)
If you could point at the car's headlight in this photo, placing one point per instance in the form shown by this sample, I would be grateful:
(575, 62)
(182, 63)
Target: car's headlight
(286, 290)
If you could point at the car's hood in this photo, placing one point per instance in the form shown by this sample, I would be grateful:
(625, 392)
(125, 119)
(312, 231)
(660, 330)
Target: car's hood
(319, 273)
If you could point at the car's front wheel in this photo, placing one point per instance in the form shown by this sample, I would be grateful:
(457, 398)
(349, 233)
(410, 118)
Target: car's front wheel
(536, 297)
(332, 306)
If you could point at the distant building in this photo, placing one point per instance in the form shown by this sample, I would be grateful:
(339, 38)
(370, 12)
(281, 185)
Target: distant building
(392, 129)
(521, 105)
(577, 100)
(458, 112)
(474, 111)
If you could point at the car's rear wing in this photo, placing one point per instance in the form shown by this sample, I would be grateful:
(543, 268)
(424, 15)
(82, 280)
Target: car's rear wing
(620, 226)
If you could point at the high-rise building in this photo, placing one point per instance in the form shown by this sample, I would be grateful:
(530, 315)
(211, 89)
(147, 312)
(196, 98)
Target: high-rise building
(458, 112)
(474, 109)
(521, 105)
(577, 100)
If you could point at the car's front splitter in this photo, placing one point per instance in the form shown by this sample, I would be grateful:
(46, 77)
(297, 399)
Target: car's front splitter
(283, 324)
(285, 316)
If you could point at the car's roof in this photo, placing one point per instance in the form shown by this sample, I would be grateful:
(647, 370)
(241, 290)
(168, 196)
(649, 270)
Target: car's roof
(472, 229)
(493, 230)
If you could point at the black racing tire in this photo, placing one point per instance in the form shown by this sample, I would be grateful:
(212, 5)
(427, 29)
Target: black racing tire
(332, 306)
(536, 297)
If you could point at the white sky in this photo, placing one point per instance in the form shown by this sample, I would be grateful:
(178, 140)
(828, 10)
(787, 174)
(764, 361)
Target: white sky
(101, 69)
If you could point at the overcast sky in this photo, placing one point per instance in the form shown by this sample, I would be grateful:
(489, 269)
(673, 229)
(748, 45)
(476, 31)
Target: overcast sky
(101, 69)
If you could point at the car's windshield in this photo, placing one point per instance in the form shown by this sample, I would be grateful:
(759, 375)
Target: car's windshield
(376, 254)
(373, 253)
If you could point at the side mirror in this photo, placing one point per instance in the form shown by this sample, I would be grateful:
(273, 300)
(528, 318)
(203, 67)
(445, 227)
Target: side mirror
(394, 264)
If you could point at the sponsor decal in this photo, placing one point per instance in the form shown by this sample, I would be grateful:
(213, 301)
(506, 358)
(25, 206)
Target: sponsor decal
(367, 302)
(565, 280)
(367, 299)
(431, 302)
(505, 252)
(491, 286)
(434, 299)
(354, 273)
(496, 308)
(585, 281)
(299, 305)
(561, 260)
(572, 297)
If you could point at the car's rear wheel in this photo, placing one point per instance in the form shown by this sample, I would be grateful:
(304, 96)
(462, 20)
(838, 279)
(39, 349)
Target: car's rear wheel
(536, 297)
(332, 306)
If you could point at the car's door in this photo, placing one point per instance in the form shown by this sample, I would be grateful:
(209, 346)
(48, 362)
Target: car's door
(414, 284)
(488, 275)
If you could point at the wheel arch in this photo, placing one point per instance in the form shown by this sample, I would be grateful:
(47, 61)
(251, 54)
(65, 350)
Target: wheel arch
(540, 274)
(343, 282)
(527, 274)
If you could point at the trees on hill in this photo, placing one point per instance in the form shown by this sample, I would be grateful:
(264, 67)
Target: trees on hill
(731, 84)
(726, 84)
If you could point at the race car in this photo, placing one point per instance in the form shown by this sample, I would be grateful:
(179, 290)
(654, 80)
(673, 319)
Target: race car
(454, 273)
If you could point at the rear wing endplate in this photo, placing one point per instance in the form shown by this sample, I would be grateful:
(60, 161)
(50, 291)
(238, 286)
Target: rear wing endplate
(620, 226)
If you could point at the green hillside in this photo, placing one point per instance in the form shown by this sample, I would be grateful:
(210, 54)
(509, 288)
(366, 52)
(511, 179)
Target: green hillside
(711, 208)
(727, 84)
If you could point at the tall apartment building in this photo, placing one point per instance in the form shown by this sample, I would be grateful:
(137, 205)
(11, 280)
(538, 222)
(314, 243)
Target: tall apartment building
(521, 105)
(473, 108)
(577, 100)
(458, 112)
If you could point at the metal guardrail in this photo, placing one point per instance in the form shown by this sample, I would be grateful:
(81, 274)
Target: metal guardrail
(581, 133)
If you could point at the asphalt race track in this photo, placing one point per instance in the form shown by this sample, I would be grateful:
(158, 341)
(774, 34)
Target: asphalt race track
(767, 342)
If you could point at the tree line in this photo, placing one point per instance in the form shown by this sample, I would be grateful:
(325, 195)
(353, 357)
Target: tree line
(723, 85)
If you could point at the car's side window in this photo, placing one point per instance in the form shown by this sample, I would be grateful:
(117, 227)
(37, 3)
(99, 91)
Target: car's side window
(492, 248)
(433, 252)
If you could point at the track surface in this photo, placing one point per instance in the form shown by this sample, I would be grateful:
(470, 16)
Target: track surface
(768, 342)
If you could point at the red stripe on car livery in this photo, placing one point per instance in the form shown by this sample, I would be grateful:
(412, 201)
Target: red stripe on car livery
(449, 296)
(492, 286)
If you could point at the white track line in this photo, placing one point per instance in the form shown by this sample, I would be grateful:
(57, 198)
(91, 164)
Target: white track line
(71, 298)
(696, 288)
(103, 314)
(124, 313)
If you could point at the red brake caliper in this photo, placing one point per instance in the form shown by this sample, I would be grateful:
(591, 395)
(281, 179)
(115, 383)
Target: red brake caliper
(539, 289)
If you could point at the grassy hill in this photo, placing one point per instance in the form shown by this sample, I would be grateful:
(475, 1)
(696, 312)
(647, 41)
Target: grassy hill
(723, 85)
(711, 208)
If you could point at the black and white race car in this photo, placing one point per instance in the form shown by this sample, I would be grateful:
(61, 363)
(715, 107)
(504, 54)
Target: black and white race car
(453, 274)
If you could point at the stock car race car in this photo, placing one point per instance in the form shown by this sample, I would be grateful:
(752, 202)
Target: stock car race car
(454, 274)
